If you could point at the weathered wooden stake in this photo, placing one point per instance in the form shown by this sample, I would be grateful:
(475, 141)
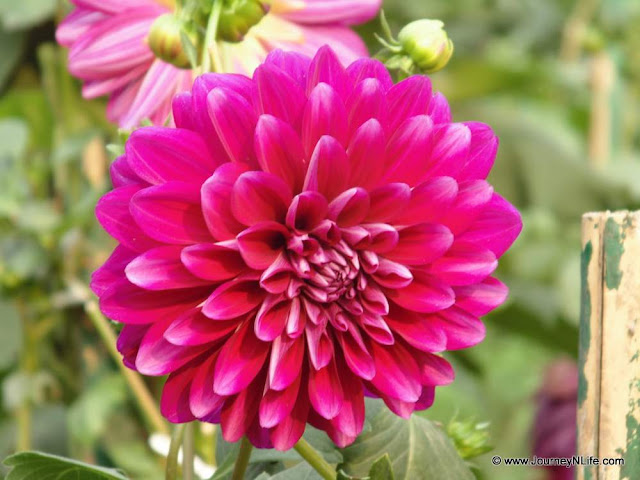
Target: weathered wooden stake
(609, 392)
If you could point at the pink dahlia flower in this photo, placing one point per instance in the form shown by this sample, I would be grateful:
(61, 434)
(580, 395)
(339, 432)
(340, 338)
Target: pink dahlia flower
(110, 54)
(301, 239)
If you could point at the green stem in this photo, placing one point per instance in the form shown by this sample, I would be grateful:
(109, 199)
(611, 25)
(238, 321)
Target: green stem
(143, 397)
(210, 52)
(188, 449)
(314, 459)
(242, 462)
(174, 451)
(28, 367)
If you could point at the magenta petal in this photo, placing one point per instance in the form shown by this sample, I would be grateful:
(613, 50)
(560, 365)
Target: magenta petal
(240, 360)
(397, 374)
(376, 329)
(319, 345)
(287, 433)
(439, 110)
(171, 213)
(113, 214)
(272, 317)
(239, 413)
(159, 155)
(261, 244)
(234, 298)
(350, 418)
(202, 400)
(388, 202)
(366, 154)
(159, 357)
(277, 94)
(348, 12)
(367, 101)
(464, 264)
(213, 261)
(472, 199)
(435, 370)
(325, 391)
(426, 294)
(234, 120)
(112, 270)
(326, 68)
(421, 244)
(324, 114)
(392, 274)
(260, 197)
(127, 303)
(216, 201)
(369, 68)
(350, 208)
(462, 329)
(483, 297)
(128, 343)
(122, 174)
(293, 63)
(174, 405)
(430, 201)
(192, 328)
(328, 158)
(277, 277)
(408, 151)
(496, 228)
(277, 404)
(356, 354)
(450, 150)
(285, 363)
(407, 99)
(161, 269)
(426, 398)
(306, 211)
(279, 151)
(417, 330)
(482, 152)
(384, 238)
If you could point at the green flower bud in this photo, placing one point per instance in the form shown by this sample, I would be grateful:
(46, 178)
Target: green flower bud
(165, 40)
(470, 439)
(238, 16)
(427, 44)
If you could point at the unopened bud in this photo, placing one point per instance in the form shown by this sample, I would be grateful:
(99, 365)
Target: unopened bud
(470, 439)
(165, 40)
(238, 16)
(427, 44)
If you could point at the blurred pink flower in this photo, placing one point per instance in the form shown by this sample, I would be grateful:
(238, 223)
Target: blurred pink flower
(302, 239)
(555, 424)
(109, 53)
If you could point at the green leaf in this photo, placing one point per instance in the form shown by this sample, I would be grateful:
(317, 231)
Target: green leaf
(42, 466)
(25, 13)
(418, 449)
(302, 471)
(382, 469)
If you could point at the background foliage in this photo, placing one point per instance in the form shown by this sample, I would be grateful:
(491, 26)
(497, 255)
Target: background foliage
(557, 79)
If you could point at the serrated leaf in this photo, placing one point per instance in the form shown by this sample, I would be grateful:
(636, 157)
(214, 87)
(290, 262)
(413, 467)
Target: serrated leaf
(42, 466)
(382, 469)
(418, 449)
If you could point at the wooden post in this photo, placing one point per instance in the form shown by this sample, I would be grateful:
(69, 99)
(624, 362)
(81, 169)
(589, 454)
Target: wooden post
(609, 390)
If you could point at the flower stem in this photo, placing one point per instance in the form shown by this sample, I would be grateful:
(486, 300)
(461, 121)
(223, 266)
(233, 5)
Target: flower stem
(143, 397)
(210, 54)
(314, 459)
(188, 449)
(242, 462)
(171, 472)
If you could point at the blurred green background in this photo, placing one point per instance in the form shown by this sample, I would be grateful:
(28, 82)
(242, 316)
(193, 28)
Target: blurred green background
(557, 79)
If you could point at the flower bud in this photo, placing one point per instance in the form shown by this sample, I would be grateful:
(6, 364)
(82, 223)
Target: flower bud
(165, 40)
(237, 18)
(470, 439)
(427, 44)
